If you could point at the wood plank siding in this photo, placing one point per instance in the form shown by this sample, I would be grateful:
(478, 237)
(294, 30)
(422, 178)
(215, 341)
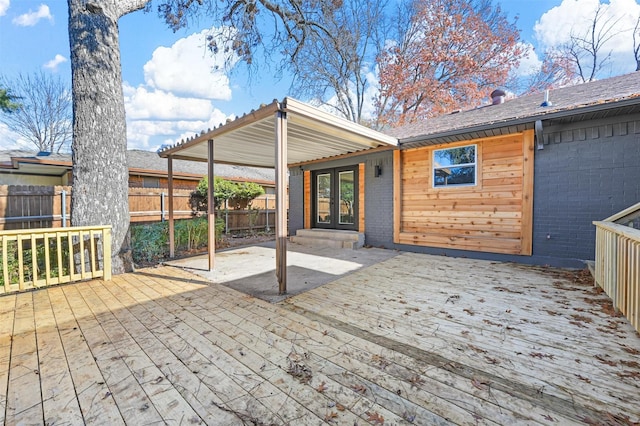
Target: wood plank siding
(307, 199)
(494, 215)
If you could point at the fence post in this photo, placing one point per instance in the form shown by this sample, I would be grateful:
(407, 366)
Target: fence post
(226, 216)
(63, 207)
(266, 212)
(162, 206)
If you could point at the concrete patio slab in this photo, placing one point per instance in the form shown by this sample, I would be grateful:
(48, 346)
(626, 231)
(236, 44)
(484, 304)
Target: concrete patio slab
(251, 269)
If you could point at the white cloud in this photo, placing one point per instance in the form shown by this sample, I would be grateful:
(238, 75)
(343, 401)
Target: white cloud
(4, 6)
(153, 113)
(189, 68)
(530, 63)
(151, 134)
(31, 18)
(53, 64)
(11, 140)
(556, 25)
(142, 104)
(176, 100)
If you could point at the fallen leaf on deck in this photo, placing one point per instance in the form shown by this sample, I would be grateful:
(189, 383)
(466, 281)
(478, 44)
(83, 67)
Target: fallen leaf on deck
(330, 416)
(480, 384)
(375, 418)
(360, 389)
(416, 381)
(584, 379)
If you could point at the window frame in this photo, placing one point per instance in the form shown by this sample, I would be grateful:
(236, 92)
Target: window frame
(153, 180)
(475, 166)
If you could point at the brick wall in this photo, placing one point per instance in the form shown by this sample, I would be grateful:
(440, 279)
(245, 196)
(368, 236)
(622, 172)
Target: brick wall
(379, 200)
(296, 200)
(586, 172)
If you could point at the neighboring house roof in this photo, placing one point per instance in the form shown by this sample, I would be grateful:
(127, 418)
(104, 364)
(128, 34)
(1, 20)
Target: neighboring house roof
(583, 101)
(139, 162)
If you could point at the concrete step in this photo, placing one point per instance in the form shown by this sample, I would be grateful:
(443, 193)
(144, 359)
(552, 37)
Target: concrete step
(329, 238)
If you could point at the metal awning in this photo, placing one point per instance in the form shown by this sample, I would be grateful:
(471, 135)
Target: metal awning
(249, 140)
(276, 135)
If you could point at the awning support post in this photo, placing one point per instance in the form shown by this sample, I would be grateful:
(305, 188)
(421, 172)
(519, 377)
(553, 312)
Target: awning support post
(211, 205)
(172, 239)
(281, 206)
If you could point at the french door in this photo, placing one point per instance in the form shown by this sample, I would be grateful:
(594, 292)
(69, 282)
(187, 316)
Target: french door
(335, 200)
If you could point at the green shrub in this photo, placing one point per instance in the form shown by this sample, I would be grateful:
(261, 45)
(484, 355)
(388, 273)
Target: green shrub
(150, 242)
(27, 260)
(191, 234)
(239, 194)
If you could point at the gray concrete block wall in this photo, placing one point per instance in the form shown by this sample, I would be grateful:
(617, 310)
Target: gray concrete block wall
(586, 172)
(296, 200)
(379, 201)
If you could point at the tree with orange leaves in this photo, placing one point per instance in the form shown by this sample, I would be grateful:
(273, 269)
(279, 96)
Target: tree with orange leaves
(449, 54)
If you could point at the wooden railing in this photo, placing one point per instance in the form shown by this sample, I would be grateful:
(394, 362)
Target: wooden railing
(33, 258)
(617, 267)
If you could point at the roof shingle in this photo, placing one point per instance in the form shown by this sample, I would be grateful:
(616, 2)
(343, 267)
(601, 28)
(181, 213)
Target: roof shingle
(606, 91)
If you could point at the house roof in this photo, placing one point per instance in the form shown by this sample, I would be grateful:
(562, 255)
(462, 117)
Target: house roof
(613, 96)
(146, 161)
(311, 134)
(139, 162)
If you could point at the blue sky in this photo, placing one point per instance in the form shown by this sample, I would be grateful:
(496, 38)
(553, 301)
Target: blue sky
(171, 91)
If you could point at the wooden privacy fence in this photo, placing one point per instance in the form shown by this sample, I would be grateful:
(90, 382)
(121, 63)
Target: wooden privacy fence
(247, 220)
(41, 257)
(27, 206)
(617, 269)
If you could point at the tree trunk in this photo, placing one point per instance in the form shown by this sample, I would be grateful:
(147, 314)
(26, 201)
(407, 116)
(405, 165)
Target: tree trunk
(100, 172)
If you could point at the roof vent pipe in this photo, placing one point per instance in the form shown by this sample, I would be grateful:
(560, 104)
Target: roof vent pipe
(497, 97)
(547, 102)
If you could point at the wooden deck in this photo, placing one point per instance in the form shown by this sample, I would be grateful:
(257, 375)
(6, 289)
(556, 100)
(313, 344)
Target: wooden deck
(414, 339)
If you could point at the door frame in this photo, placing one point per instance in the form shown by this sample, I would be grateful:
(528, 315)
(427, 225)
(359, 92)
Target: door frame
(334, 208)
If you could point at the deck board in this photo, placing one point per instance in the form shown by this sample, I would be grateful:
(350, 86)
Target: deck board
(7, 315)
(416, 338)
(93, 394)
(58, 395)
(24, 407)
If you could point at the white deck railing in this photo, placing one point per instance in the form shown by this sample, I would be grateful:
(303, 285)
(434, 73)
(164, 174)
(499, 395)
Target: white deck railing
(34, 258)
(617, 269)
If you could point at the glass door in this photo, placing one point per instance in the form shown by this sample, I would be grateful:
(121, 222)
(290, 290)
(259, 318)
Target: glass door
(336, 198)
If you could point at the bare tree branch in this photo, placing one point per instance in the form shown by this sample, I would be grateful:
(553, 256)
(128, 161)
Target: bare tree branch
(585, 50)
(636, 43)
(332, 69)
(43, 116)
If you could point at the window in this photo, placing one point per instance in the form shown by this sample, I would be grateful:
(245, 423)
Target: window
(150, 182)
(454, 166)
